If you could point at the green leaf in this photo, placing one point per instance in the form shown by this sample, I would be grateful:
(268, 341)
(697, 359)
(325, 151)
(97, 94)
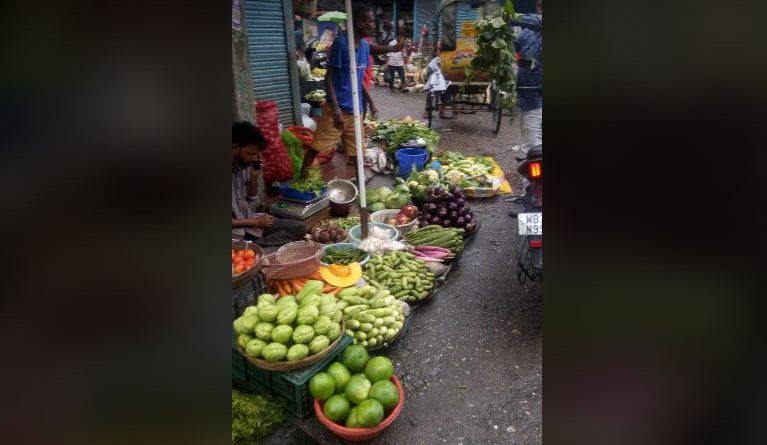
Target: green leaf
(498, 22)
(508, 6)
(499, 43)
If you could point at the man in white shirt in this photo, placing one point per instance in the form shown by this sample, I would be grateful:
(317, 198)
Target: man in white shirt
(396, 64)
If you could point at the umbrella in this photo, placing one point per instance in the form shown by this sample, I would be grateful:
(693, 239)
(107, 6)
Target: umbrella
(332, 16)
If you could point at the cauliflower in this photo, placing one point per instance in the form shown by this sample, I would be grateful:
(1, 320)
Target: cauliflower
(413, 184)
(431, 175)
(454, 177)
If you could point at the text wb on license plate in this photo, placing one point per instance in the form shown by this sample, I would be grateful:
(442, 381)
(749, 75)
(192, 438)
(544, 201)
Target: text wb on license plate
(530, 223)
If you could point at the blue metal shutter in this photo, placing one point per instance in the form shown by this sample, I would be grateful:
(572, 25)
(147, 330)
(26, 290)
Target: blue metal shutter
(465, 14)
(269, 66)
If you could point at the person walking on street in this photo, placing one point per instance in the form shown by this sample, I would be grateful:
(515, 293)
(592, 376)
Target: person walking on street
(395, 61)
(529, 46)
(337, 120)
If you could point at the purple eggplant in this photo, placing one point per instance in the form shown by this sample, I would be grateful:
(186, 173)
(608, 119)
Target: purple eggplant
(469, 227)
(452, 206)
(438, 190)
(429, 207)
(457, 192)
(461, 202)
(442, 212)
(463, 211)
(453, 215)
(469, 217)
(460, 222)
(447, 223)
(436, 221)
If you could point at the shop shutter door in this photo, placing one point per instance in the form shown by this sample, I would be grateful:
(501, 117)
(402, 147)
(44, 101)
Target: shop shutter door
(268, 50)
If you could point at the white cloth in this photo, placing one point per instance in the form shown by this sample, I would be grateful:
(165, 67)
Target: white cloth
(532, 129)
(436, 81)
(395, 59)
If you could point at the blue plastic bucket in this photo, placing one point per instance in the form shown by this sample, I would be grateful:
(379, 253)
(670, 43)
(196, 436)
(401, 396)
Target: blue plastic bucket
(410, 158)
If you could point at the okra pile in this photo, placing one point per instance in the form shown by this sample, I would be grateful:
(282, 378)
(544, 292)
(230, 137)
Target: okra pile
(373, 317)
(406, 277)
(447, 237)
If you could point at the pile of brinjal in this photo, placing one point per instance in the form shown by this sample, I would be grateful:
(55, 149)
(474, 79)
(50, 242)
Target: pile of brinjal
(447, 208)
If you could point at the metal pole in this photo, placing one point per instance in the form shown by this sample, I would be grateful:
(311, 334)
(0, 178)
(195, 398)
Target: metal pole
(357, 117)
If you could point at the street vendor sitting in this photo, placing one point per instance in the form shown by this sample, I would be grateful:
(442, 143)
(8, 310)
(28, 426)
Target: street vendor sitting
(248, 196)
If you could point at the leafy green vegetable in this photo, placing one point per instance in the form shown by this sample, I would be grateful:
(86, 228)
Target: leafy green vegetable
(312, 183)
(295, 150)
(395, 132)
(254, 416)
(495, 49)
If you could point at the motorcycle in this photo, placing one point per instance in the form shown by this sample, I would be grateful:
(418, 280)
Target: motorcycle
(530, 247)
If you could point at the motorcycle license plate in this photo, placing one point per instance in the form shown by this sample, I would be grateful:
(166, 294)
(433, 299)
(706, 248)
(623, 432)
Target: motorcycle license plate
(530, 223)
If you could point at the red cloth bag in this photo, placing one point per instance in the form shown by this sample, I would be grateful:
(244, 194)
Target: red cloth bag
(277, 164)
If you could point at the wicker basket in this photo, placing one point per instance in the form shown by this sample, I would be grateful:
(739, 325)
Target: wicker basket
(241, 278)
(293, 260)
(294, 364)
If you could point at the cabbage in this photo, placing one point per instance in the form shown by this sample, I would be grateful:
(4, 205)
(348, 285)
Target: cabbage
(396, 200)
(377, 206)
(384, 191)
(372, 197)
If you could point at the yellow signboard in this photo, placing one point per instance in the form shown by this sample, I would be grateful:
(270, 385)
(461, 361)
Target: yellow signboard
(454, 63)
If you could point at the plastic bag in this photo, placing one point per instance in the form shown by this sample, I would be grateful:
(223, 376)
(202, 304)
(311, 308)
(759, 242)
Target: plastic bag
(277, 163)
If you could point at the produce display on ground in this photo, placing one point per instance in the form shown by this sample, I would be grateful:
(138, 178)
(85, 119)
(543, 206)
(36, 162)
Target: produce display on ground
(470, 167)
(344, 223)
(373, 316)
(395, 132)
(289, 328)
(405, 216)
(357, 392)
(328, 234)
(243, 260)
(402, 274)
(433, 235)
(447, 208)
(385, 198)
(294, 286)
(343, 255)
(254, 416)
(409, 246)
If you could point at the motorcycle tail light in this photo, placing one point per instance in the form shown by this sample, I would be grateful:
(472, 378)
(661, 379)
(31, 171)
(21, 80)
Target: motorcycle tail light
(536, 170)
(536, 243)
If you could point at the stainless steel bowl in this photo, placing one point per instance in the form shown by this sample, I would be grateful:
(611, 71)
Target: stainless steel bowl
(341, 191)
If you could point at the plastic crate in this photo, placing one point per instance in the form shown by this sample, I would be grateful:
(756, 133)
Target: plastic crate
(294, 386)
(247, 294)
(290, 193)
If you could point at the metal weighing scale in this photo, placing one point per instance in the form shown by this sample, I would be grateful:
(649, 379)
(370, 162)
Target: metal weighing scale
(298, 209)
